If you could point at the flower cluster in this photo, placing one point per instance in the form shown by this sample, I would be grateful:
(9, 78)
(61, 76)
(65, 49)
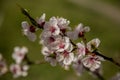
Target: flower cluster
(17, 68)
(58, 46)
(3, 65)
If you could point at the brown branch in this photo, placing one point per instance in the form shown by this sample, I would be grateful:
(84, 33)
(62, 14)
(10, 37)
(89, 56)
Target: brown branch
(96, 73)
(29, 62)
(32, 20)
(107, 58)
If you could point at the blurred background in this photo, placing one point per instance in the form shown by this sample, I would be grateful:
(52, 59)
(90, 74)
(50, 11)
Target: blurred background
(103, 16)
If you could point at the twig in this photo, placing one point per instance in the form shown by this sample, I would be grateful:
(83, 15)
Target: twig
(95, 73)
(106, 58)
(33, 21)
(29, 62)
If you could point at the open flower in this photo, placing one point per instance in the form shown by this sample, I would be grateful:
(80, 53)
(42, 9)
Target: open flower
(52, 27)
(78, 32)
(47, 39)
(65, 58)
(19, 70)
(62, 44)
(19, 54)
(92, 62)
(93, 44)
(3, 65)
(49, 56)
(55, 43)
(28, 31)
(80, 50)
(62, 23)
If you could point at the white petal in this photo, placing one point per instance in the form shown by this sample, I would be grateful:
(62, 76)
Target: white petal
(41, 19)
(59, 57)
(24, 74)
(68, 60)
(16, 49)
(81, 50)
(79, 28)
(25, 25)
(31, 36)
(93, 44)
(25, 67)
(86, 29)
(45, 51)
(24, 50)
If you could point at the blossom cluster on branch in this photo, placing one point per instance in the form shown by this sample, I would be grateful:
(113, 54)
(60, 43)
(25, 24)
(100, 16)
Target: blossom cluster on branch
(58, 47)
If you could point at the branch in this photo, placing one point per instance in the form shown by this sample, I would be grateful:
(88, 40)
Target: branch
(95, 73)
(32, 20)
(107, 58)
(29, 62)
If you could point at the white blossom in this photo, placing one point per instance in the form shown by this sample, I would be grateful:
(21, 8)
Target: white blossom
(3, 65)
(52, 27)
(28, 31)
(66, 57)
(19, 54)
(78, 32)
(80, 50)
(62, 23)
(92, 62)
(49, 56)
(56, 43)
(93, 44)
(45, 51)
(19, 70)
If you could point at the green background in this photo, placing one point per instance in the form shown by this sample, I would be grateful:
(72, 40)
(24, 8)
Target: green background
(103, 16)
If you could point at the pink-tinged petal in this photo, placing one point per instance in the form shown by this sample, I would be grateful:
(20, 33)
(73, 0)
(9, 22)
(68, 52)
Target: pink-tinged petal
(80, 50)
(3, 65)
(92, 62)
(68, 59)
(19, 53)
(18, 70)
(52, 27)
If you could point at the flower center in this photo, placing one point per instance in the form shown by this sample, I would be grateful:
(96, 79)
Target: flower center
(51, 39)
(52, 29)
(32, 29)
